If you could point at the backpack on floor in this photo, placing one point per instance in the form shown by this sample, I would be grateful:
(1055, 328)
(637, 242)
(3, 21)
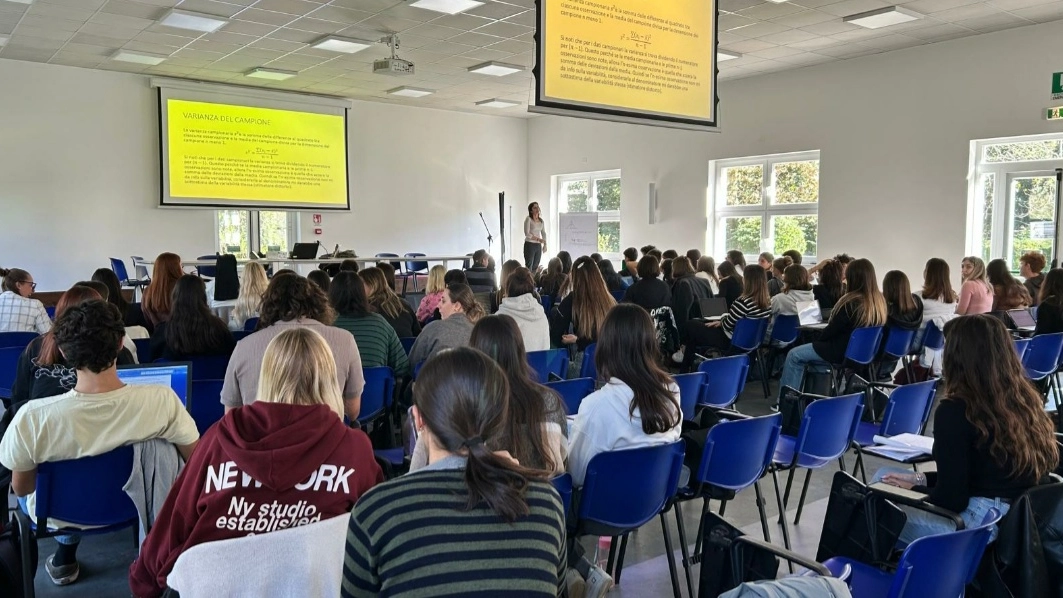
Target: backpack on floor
(11, 581)
(666, 330)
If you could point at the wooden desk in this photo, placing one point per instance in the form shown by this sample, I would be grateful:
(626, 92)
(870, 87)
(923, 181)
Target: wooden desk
(362, 261)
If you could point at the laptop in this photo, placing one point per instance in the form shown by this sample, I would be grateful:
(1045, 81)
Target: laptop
(712, 309)
(1022, 319)
(809, 314)
(304, 251)
(176, 374)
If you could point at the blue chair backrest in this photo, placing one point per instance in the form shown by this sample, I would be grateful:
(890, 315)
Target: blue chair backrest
(250, 324)
(396, 265)
(898, 342)
(863, 345)
(749, 333)
(118, 266)
(239, 335)
(726, 377)
(50, 310)
(691, 387)
(737, 452)
(942, 564)
(934, 339)
(551, 361)
(416, 266)
(87, 491)
(1021, 346)
(12, 344)
(572, 392)
(143, 346)
(563, 484)
(785, 329)
(646, 477)
(588, 369)
(1042, 356)
(204, 404)
(210, 271)
(407, 343)
(377, 393)
(618, 296)
(209, 368)
(548, 303)
(828, 428)
(907, 409)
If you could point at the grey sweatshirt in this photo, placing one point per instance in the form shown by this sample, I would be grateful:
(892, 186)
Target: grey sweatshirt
(531, 319)
(441, 334)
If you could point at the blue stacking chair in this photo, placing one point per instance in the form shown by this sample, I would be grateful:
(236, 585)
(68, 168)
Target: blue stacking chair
(938, 565)
(239, 335)
(12, 344)
(572, 392)
(207, 271)
(395, 264)
(1042, 356)
(897, 346)
(548, 303)
(377, 394)
(588, 369)
(827, 431)
(1021, 345)
(87, 492)
(691, 386)
(551, 361)
(747, 338)
(784, 332)
(563, 484)
(859, 354)
(618, 296)
(250, 324)
(204, 403)
(118, 266)
(50, 310)
(906, 412)
(413, 268)
(647, 478)
(407, 343)
(726, 378)
(143, 346)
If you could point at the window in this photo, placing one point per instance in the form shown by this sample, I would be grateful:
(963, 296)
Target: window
(1012, 197)
(272, 232)
(765, 203)
(594, 192)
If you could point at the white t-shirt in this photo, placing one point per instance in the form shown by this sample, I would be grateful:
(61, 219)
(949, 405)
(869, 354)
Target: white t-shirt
(75, 425)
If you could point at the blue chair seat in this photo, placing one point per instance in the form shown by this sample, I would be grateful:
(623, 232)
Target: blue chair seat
(394, 456)
(864, 580)
(865, 433)
(784, 454)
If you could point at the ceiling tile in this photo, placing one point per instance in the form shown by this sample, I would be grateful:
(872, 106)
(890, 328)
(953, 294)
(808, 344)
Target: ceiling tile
(1015, 4)
(892, 42)
(727, 22)
(747, 46)
(436, 32)
(485, 54)
(133, 9)
(53, 34)
(449, 48)
(462, 21)
(939, 32)
(25, 54)
(995, 22)
(406, 11)
(317, 25)
(111, 31)
(89, 4)
(291, 7)
(776, 52)
(387, 24)
(26, 42)
(931, 6)
(295, 35)
(505, 29)
(248, 28)
(816, 43)
(1041, 14)
(478, 40)
(70, 13)
(265, 17)
(526, 18)
(789, 37)
(804, 18)
(512, 46)
(830, 28)
(495, 10)
(760, 29)
(341, 15)
(50, 23)
(852, 7)
(770, 10)
(279, 45)
(970, 11)
(737, 5)
(162, 39)
(210, 7)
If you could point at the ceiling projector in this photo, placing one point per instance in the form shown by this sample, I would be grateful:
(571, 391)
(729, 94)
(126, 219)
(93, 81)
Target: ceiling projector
(392, 66)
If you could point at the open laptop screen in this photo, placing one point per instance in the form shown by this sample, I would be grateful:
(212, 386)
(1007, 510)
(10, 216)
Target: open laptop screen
(177, 375)
(808, 313)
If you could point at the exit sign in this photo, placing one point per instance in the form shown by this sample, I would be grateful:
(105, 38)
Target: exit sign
(1057, 86)
(1054, 113)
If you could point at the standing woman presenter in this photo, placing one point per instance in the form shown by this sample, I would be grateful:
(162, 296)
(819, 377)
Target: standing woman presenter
(534, 237)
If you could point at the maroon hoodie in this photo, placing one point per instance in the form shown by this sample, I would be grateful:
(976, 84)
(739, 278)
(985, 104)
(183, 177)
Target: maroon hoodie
(263, 467)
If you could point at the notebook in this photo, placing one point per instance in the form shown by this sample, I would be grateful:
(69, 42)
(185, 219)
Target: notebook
(808, 313)
(713, 308)
(175, 374)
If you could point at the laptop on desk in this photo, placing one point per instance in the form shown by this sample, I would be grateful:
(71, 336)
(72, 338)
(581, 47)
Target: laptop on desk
(712, 309)
(175, 374)
(304, 251)
(810, 315)
(1022, 319)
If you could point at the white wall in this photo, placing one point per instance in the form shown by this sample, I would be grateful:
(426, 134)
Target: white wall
(894, 130)
(79, 176)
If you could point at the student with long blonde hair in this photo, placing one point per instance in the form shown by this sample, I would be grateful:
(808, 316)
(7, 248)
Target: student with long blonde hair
(249, 302)
(584, 309)
(290, 448)
(976, 294)
(433, 294)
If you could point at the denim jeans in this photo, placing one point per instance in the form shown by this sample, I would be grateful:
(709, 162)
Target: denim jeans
(920, 523)
(793, 372)
(67, 539)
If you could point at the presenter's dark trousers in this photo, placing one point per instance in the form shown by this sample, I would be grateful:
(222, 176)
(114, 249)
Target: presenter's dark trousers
(533, 254)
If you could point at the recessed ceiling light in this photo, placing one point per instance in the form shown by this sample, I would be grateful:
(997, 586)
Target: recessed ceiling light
(497, 69)
(722, 55)
(341, 44)
(193, 21)
(3, 39)
(451, 7)
(497, 103)
(883, 17)
(138, 57)
(271, 74)
(410, 92)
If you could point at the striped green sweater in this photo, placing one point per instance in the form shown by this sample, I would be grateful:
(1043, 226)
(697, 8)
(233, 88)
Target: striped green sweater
(377, 342)
(411, 537)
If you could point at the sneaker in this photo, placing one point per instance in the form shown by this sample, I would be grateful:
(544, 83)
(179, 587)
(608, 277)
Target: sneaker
(63, 574)
(577, 588)
(774, 408)
(598, 583)
(678, 356)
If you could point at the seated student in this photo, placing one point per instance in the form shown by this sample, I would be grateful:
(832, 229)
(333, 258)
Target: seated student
(384, 301)
(976, 293)
(551, 282)
(289, 452)
(18, 312)
(629, 266)
(670, 254)
(794, 255)
(508, 267)
(666, 271)
(1030, 266)
(131, 332)
(114, 297)
(730, 282)
(795, 289)
(646, 249)
(433, 294)
(687, 291)
(157, 299)
(481, 278)
(737, 259)
(292, 302)
(70, 425)
(706, 269)
(388, 270)
(583, 310)
(1008, 293)
(764, 260)
(454, 276)
(753, 303)
(42, 371)
(459, 311)
(831, 285)
(694, 255)
(649, 291)
(938, 298)
(498, 527)
(993, 440)
(638, 406)
(1050, 310)
(775, 282)
(249, 301)
(521, 304)
(609, 275)
(862, 306)
(904, 311)
(192, 330)
(377, 342)
(566, 261)
(349, 265)
(321, 279)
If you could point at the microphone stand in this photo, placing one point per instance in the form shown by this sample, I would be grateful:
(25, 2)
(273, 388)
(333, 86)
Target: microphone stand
(490, 237)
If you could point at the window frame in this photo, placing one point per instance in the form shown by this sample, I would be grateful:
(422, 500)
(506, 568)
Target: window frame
(254, 229)
(592, 200)
(719, 211)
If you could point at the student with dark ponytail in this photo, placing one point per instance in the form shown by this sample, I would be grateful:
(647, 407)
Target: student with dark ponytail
(466, 499)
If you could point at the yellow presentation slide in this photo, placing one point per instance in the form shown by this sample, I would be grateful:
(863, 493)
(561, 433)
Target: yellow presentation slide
(244, 153)
(634, 55)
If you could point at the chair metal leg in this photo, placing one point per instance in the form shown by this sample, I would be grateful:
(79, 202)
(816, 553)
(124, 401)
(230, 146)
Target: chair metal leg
(804, 492)
(763, 374)
(29, 564)
(789, 485)
(620, 559)
(670, 553)
(763, 512)
(612, 555)
(684, 547)
(782, 517)
(723, 507)
(701, 531)
(860, 465)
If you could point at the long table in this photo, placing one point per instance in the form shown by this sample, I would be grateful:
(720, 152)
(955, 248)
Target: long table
(362, 261)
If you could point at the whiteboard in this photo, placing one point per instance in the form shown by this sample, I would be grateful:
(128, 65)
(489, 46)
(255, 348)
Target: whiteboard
(579, 233)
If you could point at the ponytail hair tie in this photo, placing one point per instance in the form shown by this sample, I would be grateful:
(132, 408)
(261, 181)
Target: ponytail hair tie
(474, 441)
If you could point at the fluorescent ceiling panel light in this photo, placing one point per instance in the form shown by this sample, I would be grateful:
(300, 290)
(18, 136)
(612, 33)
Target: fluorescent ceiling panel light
(497, 103)
(345, 45)
(3, 39)
(21, 1)
(497, 69)
(271, 74)
(451, 7)
(193, 21)
(410, 92)
(138, 57)
(722, 55)
(883, 17)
